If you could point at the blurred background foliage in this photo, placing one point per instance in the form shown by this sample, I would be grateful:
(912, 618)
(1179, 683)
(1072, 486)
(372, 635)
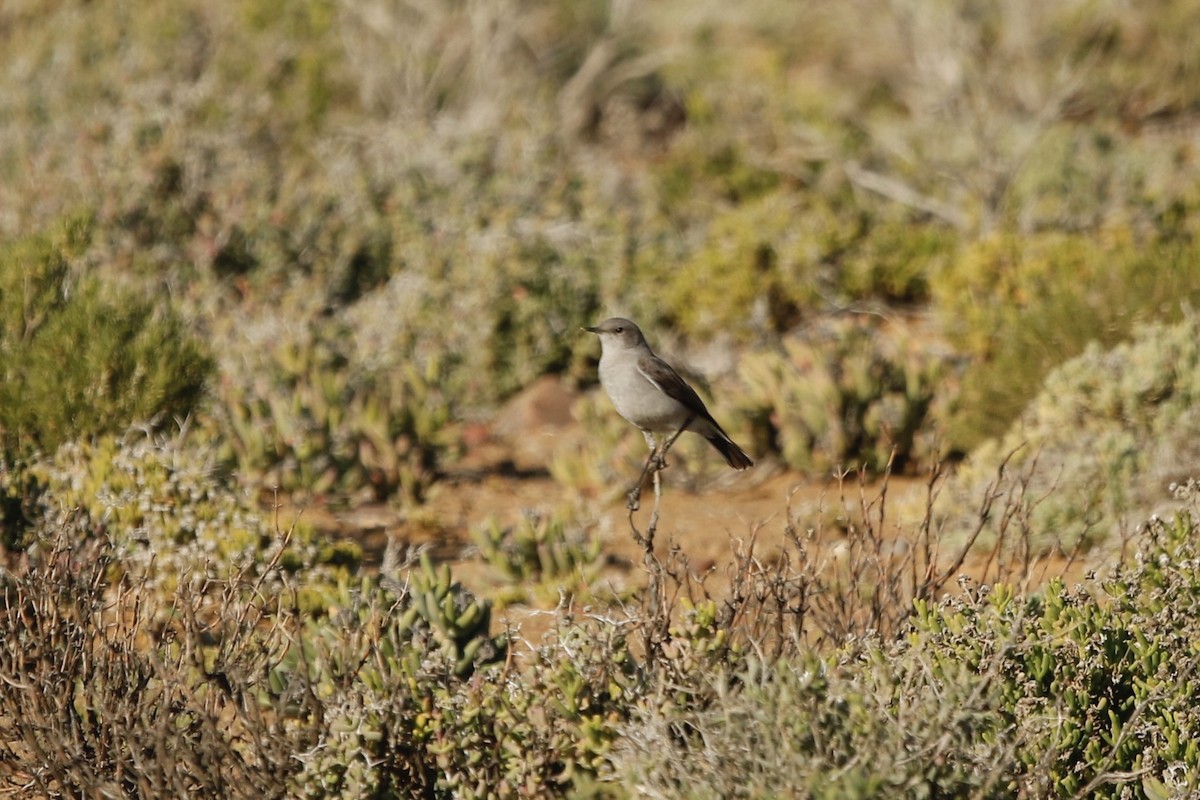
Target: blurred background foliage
(248, 244)
(332, 231)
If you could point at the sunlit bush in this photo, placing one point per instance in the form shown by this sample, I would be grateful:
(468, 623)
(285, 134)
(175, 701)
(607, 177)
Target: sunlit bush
(1074, 691)
(1019, 306)
(79, 359)
(1098, 447)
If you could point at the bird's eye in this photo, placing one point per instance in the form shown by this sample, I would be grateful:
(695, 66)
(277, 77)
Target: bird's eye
(618, 329)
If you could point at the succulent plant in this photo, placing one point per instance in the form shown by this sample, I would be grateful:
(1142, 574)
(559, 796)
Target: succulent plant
(545, 553)
(847, 394)
(310, 420)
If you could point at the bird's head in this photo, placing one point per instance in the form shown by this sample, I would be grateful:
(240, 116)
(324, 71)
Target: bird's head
(618, 334)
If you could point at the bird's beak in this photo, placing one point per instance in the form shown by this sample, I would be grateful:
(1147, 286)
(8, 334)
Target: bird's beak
(590, 329)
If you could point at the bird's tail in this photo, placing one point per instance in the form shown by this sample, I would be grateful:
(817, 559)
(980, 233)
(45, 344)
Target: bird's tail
(734, 456)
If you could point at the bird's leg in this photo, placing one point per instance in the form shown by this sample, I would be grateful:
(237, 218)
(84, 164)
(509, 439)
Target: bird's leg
(658, 457)
(651, 442)
(653, 526)
(656, 462)
(662, 454)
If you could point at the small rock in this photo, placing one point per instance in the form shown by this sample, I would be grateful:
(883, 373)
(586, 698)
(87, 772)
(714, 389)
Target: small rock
(545, 404)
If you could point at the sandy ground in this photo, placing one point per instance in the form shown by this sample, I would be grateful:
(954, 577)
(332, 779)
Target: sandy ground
(503, 477)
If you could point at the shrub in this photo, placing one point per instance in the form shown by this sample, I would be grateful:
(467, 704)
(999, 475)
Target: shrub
(895, 261)
(542, 295)
(172, 514)
(1021, 305)
(1099, 445)
(226, 688)
(308, 419)
(847, 391)
(77, 360)
(549, 556)
(866, 723)
(771, 253)
(401, 723)
(1067, 693)
(398, 686)
(1096, 680)
(772, 262)
(134, 699)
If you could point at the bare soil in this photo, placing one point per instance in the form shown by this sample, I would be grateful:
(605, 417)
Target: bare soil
(505, 476)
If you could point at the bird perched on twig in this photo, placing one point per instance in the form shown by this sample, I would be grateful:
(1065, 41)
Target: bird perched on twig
(648, 392)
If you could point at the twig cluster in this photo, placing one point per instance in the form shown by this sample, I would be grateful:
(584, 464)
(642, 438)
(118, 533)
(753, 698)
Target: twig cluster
(858, 574)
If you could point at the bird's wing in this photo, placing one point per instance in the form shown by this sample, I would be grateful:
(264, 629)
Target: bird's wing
(664, 376)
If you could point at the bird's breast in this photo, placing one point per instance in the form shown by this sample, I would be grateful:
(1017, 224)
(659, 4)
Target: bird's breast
(637, 399)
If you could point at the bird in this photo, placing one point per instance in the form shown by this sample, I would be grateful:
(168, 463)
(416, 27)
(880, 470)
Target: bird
(649, 393)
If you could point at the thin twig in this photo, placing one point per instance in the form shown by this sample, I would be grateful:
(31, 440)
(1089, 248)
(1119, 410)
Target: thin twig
(654, 600)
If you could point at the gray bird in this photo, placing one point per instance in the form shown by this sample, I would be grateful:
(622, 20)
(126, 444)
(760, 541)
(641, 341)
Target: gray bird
(648, 392)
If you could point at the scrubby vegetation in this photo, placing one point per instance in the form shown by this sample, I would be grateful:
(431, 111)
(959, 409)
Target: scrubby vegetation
(78, 360)
(1098, 449)
(1076, 692)
(258, 255)
(399, 688)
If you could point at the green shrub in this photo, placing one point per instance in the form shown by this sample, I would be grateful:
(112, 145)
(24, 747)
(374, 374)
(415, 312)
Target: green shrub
(541, 297)
(1067, 693)
(867, 723)
(548, 556)
(1097, 681)
(719, 170)
(770, 262)
(172, 514)
(400, 721)
(895, 260)
(77, 360)
(1020, 305)
(396, 685)
(771, 251)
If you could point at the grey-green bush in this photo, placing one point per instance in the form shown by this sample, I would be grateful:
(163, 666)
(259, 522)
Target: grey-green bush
(1098, 448)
